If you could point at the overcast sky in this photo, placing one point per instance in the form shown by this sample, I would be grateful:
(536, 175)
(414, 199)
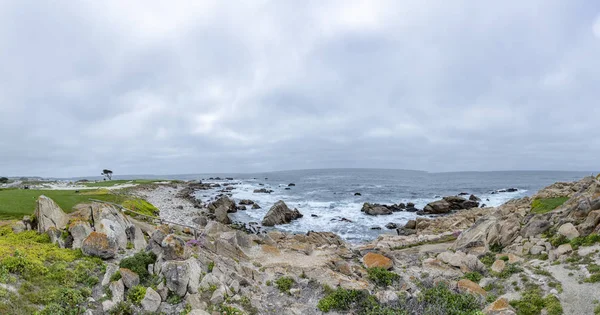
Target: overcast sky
(146, 86)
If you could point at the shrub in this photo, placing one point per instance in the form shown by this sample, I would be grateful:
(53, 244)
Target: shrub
(173, 298)
(123, 308)
(346, 300)
(509, 270)
(532, 302)
(473, 276)
(211, 266)
(116, 276)
(136, 294)
(284, 284)
(138, 263)
(381, 276)
(585, 240)
(593, 278)
(441, 300)
(544, 205)
(558, 240)
(488, 259)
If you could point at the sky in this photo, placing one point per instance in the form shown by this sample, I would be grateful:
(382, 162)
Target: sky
(175, 87)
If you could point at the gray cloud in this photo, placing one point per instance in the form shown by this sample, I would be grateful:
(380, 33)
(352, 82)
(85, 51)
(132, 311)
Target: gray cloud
(211, 86)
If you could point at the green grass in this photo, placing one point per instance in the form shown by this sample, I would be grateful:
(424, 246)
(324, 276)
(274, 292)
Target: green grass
(111, 183)
(545, 205)
(15, 203)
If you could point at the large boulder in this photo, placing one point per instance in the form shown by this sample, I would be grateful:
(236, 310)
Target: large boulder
(79, 231)
(535, 227)
(280, 214)
(151, 301)
(466, 285)
(465, 262)
(99, 245)
(174, 248)
(130, 278)
(110, 221)
(568, 230)
(499, 307)
(375, 209)
(372, 260)
(223, 202)
(48, 214)
(177, 275)
(221, 215)
(438, 207)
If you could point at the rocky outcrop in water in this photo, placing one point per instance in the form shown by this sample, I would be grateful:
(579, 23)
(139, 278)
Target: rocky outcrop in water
(447, 204)
(280, 214)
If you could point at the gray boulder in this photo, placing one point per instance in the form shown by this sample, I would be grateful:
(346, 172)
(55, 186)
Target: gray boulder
(280, 214)
(151, 301)
(375, 209)
(177, 275)
(48, 214)
(79, 231)
(223, 202)
(130, 278)
(99, 245)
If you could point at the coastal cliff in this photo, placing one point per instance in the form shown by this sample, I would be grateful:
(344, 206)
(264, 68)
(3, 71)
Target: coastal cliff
(532, 255)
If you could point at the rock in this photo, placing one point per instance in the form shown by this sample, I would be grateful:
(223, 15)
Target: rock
(375, 209)
(79, 231)
(568, 230)
(536, 250)
(118, 291)
(174, 248)
(357, 194)
(280, 214)
(177, 275)
(255, 206)
(195, 301)
(246, 202)
(405, 232)
(499, 307)
(291, 185)
(221, 215)
(195, 274)
(314, 215)
(371, 260)
(469, 204)
(163, 291)
(461, 260)
(535, 227)
(19, 227)
(49, 214)
(130, 278)
(469, 286)
(56, 237)
(391, 226)
(99, 245)
(463, 194)
(262, 191)
(151, 301)
(411, 224)
(590, 223)
(139, 241)
(198, 312)
(474, 198)
(498, 266)
(110, 271)
(376, 227)
(410, 205)
(386, 297)
(110, 220)
(241, 208)
(218, 296)
(108, 305)
(438, 207)
(563, 249)
(225, 203)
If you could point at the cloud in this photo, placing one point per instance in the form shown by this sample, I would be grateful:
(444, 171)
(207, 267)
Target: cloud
(204, 86)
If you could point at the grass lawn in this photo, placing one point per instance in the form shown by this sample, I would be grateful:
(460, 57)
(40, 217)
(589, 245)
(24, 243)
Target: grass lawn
(110, 183)
(544, 205)
(14, 203)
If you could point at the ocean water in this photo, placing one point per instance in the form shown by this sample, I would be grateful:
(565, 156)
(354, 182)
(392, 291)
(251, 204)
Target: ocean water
(329, 194)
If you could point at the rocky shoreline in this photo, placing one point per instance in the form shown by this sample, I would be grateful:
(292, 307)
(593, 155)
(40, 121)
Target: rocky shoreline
(506, 260)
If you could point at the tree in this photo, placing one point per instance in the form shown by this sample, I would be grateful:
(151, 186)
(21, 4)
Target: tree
(3, 180)
(107, 174)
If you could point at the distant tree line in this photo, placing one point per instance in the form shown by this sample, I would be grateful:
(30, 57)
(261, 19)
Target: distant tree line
(3, 180)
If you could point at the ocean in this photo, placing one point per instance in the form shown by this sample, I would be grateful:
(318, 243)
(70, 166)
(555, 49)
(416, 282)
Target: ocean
(330, 194)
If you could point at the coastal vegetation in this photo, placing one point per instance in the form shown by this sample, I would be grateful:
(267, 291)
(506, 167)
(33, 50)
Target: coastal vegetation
(544, 205)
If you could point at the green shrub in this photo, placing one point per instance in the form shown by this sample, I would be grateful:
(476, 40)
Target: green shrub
(488, 259)
(532, 302)
(585, 240)
(441, 298)
(123, 308)
(558, 240)
(473, 276)
(509, 270)
(211, 266)
(136, 294)
(173, 298)
(116, 276)
(138, 263)
(284, 284)
(544, 205)
(346, 300)
(381, 276)
(593, 278)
